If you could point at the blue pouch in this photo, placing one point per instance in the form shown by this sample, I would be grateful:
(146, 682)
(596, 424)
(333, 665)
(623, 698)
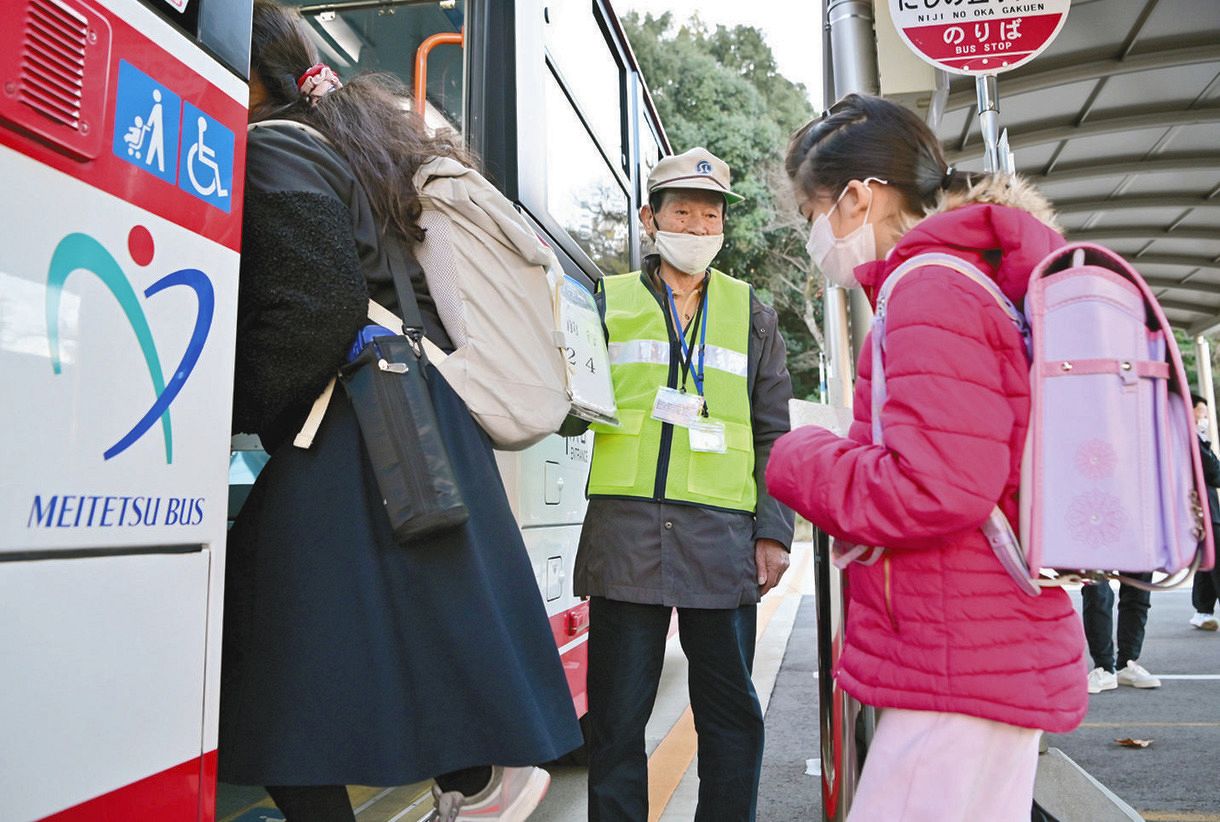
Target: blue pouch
(365, 336)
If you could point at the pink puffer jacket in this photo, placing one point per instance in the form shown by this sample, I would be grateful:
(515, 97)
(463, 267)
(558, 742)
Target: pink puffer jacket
(937, 624)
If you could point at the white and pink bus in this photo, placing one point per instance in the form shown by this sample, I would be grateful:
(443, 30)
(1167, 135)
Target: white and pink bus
(122, 143)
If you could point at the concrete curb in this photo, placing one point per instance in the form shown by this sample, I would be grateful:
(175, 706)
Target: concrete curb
(1070, 794)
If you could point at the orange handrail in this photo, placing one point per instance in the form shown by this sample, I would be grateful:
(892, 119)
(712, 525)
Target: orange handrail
(421, 64)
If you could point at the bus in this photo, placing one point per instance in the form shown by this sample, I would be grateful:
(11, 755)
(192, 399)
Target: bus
(122, 141)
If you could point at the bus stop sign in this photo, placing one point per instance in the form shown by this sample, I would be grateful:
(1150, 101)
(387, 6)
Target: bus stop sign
(978, 37)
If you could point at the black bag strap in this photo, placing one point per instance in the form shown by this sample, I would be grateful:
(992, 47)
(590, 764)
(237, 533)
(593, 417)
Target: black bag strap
(408, 306)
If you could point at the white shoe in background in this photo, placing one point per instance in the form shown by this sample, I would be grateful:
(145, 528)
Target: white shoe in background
(1205, 622)
(1137, 676)
(1102, 680)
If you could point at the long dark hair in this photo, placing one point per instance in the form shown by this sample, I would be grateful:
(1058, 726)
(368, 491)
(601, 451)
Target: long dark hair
(370, 120)
(862, 136)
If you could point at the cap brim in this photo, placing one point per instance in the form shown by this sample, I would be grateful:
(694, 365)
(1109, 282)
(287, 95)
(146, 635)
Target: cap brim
(730, 197)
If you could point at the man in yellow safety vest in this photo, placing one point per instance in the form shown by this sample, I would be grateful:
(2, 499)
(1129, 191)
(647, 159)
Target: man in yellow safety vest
(679, 514)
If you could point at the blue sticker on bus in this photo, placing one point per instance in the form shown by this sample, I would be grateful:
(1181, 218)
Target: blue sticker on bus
(207, 159)
(146, 123)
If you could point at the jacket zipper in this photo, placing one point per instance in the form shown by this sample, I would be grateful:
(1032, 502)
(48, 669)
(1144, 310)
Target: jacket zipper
(888, 573)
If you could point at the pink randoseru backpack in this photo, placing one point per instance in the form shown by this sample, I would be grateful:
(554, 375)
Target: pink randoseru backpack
(1111, 477)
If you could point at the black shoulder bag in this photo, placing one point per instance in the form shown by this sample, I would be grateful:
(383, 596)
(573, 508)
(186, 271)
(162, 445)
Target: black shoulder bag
(388, 388)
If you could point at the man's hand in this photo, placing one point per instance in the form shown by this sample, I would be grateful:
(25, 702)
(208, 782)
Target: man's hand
(772, 561)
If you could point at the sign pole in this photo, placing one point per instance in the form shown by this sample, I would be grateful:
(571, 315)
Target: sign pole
(996, 156)
(851, 60)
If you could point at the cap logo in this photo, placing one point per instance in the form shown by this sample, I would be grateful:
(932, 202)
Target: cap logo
(703, 167)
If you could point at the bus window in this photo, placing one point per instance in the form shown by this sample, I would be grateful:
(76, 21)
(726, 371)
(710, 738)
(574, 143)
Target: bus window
(583, 58)
(583, 194)
(354, 39)
(650, 147)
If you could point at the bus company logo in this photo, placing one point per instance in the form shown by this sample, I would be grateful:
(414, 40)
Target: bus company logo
(81, 252)
(704, 167)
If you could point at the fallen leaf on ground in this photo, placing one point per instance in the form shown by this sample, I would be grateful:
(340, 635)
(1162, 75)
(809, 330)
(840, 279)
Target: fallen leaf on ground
(1134, 743)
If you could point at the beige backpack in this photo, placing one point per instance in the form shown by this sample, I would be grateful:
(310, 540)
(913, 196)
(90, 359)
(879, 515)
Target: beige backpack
(495, 284)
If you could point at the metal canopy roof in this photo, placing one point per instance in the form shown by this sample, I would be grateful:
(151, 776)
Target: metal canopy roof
(1119, 123)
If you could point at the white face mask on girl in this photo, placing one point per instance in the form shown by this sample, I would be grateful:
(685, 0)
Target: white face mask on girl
(837, 257)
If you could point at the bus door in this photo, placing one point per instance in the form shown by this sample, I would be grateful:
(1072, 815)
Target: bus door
(122, 143)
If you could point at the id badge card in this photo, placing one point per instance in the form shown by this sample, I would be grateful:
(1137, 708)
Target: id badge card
(707, 436)
(676, 407)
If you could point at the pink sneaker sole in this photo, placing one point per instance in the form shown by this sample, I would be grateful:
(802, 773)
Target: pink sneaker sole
(529, 799)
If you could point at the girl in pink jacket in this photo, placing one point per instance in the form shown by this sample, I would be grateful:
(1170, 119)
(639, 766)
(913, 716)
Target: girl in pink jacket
(966, 668)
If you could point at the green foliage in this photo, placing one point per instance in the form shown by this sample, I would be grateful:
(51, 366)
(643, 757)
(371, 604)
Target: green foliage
(1190, 357)
(719, 88)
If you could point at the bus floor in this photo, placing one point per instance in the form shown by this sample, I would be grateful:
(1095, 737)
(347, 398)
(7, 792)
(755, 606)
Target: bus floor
(669, 738)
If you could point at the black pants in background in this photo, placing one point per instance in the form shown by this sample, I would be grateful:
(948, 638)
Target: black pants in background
(1098, 613)
(626, 649)
(1207, 583)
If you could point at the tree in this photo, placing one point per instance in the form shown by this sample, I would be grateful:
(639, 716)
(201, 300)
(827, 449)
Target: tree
(719, 88)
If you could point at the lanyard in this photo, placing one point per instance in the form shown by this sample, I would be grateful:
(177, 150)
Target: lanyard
(686, 360)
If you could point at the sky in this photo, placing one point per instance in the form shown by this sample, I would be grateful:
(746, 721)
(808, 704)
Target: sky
(791, 27)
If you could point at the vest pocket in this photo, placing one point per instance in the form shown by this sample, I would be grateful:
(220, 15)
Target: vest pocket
(727, 477)
(616, 452)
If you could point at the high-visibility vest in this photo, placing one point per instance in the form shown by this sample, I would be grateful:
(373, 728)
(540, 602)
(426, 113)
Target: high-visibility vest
(644, 458)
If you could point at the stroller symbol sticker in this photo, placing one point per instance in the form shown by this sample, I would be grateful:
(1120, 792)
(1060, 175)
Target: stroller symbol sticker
(146, 123)
(207, 158)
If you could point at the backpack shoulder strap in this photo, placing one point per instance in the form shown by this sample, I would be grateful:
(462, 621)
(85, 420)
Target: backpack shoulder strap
(957, 264)
(952, 263)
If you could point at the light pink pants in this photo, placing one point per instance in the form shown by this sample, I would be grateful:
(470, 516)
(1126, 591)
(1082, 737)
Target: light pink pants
(925, 765)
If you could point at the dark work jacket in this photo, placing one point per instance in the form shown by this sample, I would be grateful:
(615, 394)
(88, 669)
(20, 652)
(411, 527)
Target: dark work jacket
(1211, 477)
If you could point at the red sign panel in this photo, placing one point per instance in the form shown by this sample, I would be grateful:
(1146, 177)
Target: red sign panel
(978, 36)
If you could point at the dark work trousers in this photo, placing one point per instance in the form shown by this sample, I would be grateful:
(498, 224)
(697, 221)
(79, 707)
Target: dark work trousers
(1098, 612)
(626, 649)
(1207, 584)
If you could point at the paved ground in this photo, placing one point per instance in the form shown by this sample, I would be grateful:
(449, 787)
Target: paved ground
(787, 791)
(1176, 778)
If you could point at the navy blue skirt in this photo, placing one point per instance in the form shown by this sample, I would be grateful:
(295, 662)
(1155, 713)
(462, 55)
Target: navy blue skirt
(351, 659)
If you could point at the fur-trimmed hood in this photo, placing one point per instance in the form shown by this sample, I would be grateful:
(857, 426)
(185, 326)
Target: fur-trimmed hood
(1003, 225)
(1013, 191)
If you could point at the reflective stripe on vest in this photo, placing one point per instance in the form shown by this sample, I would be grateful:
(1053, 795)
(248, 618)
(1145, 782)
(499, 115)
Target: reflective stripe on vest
(626, 459)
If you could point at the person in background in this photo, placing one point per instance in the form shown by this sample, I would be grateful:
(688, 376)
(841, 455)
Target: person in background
(1097, 600)
(678, 513)
(967, 669)
(1207, 583)
(350, 658)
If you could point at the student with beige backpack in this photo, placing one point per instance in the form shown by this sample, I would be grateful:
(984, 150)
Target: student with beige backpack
(350, 655)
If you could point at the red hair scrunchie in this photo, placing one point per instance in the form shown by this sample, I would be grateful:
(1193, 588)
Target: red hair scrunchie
(318, 81)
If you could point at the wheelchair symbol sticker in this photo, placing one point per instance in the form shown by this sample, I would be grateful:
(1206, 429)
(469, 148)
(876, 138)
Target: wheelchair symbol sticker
(207, 158)
(146, 123)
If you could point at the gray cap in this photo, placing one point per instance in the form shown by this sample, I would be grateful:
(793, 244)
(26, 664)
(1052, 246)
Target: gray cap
(697, 168)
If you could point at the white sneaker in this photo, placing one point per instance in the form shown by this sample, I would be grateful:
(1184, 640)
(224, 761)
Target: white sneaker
(1137, 676)
(1102, 680)
(511, 796)
(1206, 622)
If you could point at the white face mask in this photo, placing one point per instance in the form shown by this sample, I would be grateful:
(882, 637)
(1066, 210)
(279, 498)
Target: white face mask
(689, 253)
(837, 257)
